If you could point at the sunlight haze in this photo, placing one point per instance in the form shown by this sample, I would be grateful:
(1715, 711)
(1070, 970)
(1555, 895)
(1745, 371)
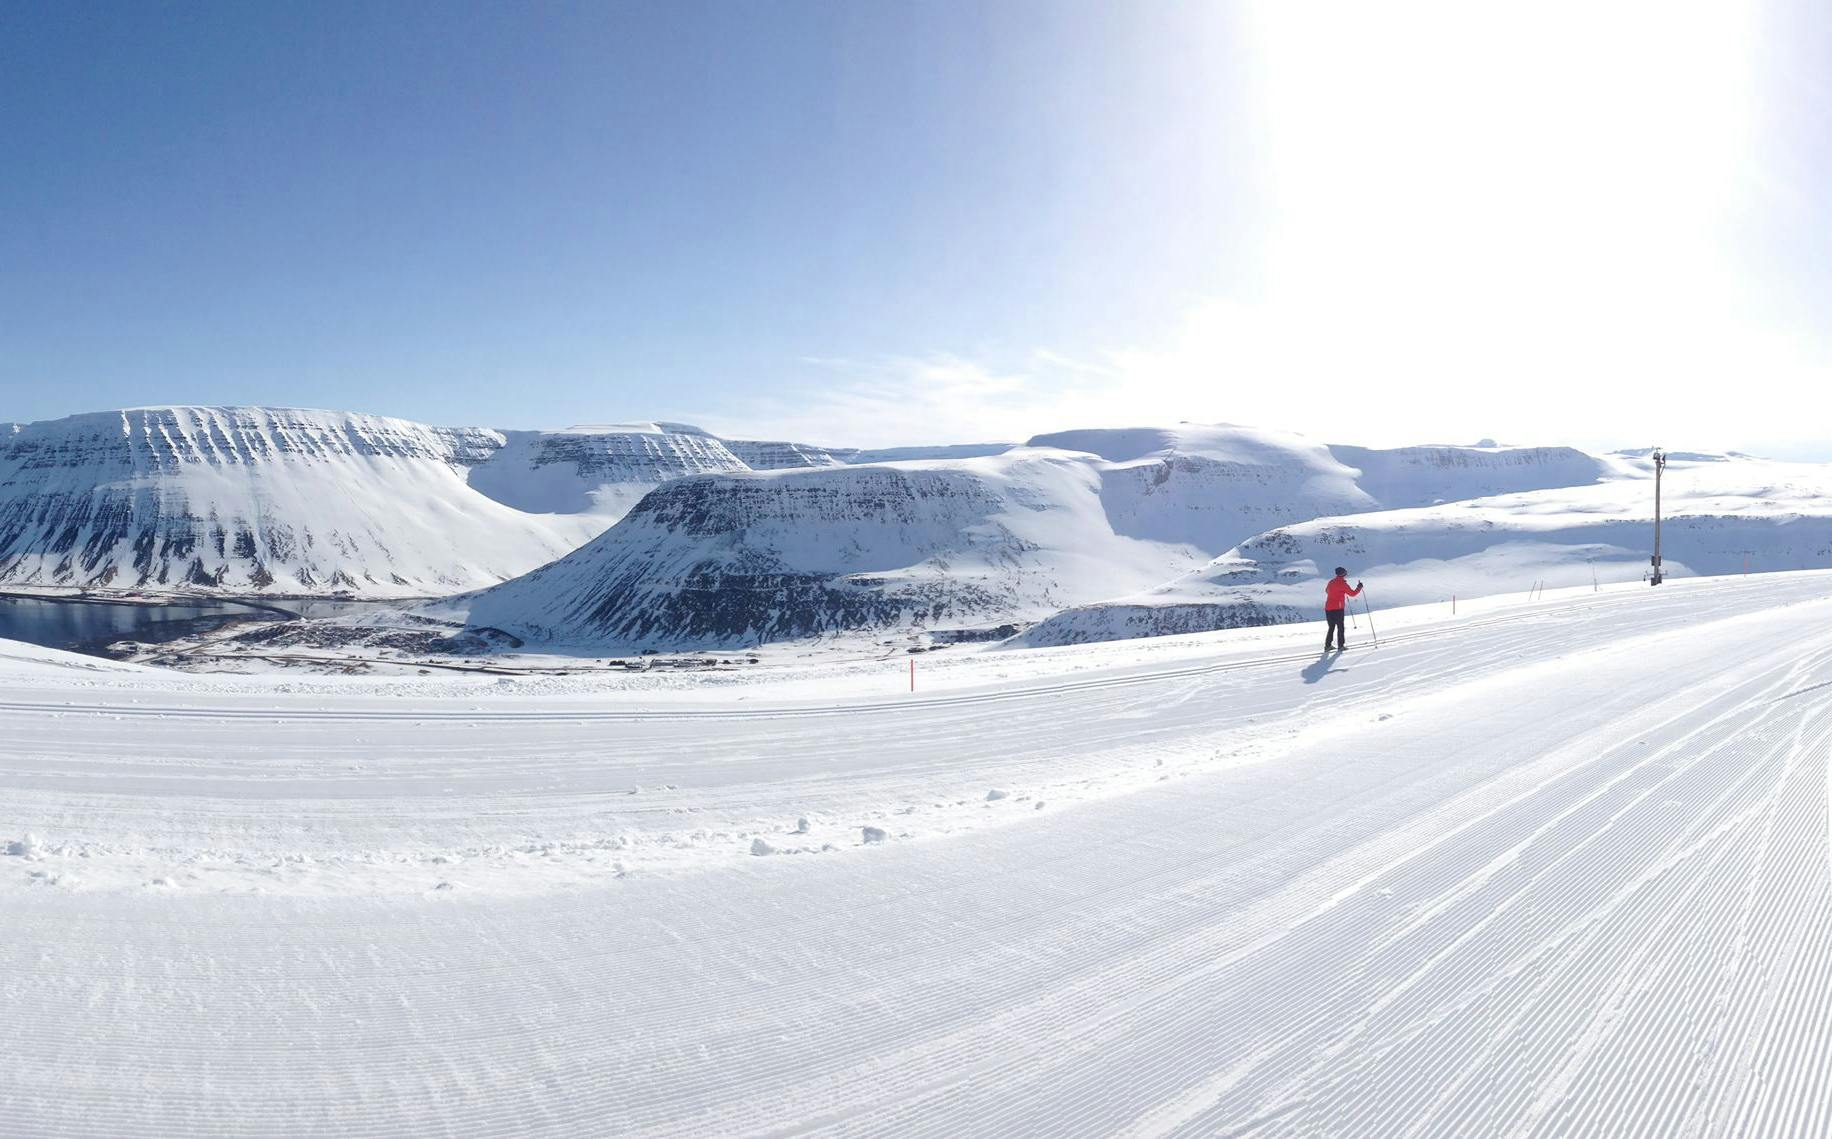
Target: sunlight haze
(953, 222)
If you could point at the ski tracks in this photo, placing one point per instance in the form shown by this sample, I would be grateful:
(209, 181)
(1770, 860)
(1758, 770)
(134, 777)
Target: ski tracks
(1648, 959)
(1487, 887)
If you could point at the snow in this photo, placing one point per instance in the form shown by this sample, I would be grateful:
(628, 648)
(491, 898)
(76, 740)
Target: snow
(291, 502)
(735, 559)
(937, 451)
(739, 559)
(1548, 867)
(596, 471)
(1722, 515)
(261, 500)
(770, 455)
(306, 503)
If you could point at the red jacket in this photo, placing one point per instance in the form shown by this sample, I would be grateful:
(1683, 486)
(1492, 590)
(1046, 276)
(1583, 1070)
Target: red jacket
(1336, 594)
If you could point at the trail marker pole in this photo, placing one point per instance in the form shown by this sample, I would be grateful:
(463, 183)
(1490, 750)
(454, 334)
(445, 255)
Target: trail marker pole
(1453, 605)
(1660, 466)
(912, 674)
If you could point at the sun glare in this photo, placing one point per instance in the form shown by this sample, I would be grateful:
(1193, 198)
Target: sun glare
(1527, 194)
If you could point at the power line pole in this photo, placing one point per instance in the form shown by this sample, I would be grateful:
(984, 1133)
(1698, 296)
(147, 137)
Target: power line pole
(1660, 465)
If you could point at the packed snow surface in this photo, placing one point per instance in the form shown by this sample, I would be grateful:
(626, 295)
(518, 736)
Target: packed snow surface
(1549, 868)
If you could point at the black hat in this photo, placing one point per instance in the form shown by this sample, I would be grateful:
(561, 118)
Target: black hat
(1340, 572)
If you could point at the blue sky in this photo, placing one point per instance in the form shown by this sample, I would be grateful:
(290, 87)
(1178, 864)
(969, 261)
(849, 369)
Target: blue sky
(885, 222)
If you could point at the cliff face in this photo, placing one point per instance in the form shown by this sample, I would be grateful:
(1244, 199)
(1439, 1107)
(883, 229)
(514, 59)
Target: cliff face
(741, 559)
(769, 455)
(745, 541)
(259, 500)
(597, 471)
(735, 560)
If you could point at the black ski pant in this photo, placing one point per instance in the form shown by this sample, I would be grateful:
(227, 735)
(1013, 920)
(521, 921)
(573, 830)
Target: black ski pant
(1334, 617)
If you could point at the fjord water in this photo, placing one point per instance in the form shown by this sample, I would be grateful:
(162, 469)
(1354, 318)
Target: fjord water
(91, 626)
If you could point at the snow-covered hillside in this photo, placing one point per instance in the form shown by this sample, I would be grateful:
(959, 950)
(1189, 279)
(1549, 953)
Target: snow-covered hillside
(261, 500)
(938, 451)
(736, 560)
(600, 471)
(775, 455)
(296, 502)
(1207, 488)
(1723, 514)
(761, 540)
(739, 559)
(1554, 869)
(1420, 476)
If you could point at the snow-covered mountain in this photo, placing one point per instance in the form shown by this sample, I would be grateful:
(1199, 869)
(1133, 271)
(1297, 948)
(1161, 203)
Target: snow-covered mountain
(262, 500)
(773, 455)
(1722, 514)
(750, 540)
(1420, 476)
(937, 451)
(744, 558)
(600, 471)
(296, 502)
(738, 559)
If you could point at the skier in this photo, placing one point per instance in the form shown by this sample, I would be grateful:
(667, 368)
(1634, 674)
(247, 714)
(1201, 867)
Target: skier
(1335, 598)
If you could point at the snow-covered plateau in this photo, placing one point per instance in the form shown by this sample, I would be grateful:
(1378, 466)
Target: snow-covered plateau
(1550, 866)
(1721, 515)
(733, 560)
(300, 503)
(661, 536)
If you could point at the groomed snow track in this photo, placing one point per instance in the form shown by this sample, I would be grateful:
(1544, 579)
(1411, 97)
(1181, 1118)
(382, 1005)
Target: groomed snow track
(1561, 870)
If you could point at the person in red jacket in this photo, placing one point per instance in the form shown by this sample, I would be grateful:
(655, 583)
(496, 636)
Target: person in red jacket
(1335, 598)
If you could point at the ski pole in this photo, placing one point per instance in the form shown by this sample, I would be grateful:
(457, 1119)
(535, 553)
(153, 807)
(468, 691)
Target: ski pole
(1369, 614)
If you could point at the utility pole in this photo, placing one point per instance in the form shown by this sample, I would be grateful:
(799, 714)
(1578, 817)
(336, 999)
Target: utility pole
(1660, 465)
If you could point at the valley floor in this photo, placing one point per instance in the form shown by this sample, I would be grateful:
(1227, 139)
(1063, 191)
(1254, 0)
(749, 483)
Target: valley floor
(1559, 868)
